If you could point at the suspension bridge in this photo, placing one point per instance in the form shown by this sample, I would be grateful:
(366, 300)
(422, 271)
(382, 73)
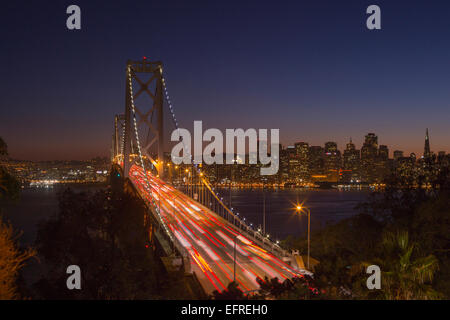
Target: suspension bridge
(196, 228)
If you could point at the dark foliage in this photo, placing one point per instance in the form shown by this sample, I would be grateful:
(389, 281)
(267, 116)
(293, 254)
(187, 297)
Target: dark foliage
(3, 147)
(105, 234)
(420, 215)
(9, 186)
(298, 288)
(231, 293)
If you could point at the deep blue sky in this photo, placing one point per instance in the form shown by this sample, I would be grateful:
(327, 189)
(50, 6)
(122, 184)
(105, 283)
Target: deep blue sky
(310, 68)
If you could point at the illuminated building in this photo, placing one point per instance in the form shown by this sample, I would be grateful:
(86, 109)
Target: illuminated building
(382, 163)
(398, 154)
(284, 165)
(332, 161)
(369, 154)
(293, 164)
(351, 164)
(302, 153)
(426, 149)
(316, 163)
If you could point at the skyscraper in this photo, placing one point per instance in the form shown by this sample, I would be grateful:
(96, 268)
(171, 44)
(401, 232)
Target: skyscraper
(284, 165)
(382, 163)
(369, 154)
(332, 161)
(426, 151)
(293, 163)
(383, 152)
(351, 164)
(302, 151)
(398, 154)
(316, 162)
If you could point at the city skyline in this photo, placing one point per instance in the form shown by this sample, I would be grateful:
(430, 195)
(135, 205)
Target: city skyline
(322, 76)
(221, 151)
(340, 146)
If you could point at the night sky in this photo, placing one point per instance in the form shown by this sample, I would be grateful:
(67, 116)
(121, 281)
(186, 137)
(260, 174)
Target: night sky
(310, 68)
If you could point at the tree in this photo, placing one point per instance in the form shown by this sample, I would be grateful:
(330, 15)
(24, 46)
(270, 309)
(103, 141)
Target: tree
(272, 287)
(297, 288)
(425, 215)
(9, 186)
(3, 147)
(231, 293)
(12, 259)
(405, 276)
(106, 234)
(422, 215)
(430, 232)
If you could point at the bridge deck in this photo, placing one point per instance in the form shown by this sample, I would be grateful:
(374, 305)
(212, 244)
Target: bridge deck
(209, 241)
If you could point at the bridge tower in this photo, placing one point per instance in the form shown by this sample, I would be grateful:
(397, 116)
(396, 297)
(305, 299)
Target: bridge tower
(119, 128)
(147, 117)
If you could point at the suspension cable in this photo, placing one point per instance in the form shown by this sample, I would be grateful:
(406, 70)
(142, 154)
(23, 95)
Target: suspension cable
(157, 208)
(203, 179)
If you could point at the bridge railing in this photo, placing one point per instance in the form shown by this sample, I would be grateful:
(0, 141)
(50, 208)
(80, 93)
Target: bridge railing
(182, 251)
(215, 203)
(205, 194)
(126, 143)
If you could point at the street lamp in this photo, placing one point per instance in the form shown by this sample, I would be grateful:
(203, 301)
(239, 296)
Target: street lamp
(300, 208)
(187, 181)
(234, 259)
(264, 209)
(170, 172)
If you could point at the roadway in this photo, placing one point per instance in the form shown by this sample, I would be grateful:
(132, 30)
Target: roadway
(209, 240)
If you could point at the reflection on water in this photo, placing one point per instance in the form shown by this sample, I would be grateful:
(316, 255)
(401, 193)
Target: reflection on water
(35, 205)
(38, 204)
(327, 206)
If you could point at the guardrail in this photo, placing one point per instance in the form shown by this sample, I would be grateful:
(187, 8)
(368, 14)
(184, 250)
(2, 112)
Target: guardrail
(240, 225)
(177, 245)
(233, 220)
(236, 221)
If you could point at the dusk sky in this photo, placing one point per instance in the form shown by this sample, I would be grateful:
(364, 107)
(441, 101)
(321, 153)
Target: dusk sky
(310, 68)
